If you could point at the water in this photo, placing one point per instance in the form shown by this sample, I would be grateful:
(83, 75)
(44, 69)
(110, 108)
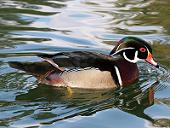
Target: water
(28, 27)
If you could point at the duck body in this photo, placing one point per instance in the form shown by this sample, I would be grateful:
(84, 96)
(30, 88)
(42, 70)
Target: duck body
(91, 70)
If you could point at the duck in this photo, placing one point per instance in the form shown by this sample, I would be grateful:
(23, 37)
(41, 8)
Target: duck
(91, 70)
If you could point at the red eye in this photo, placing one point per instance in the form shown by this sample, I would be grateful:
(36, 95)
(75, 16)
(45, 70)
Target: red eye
(142, 49)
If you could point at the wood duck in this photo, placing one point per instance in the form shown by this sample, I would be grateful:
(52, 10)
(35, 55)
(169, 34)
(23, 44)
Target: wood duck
(90, 70)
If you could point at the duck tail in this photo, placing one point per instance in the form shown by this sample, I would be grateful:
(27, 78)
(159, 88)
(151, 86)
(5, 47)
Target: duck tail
(33, 68)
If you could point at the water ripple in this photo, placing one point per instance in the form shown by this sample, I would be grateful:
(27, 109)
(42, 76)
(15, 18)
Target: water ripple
(29, 27)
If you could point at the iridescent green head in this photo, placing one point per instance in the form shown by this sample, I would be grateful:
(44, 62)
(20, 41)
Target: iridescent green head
(133, 50)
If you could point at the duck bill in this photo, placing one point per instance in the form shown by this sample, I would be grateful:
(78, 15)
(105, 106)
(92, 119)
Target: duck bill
(150, 60)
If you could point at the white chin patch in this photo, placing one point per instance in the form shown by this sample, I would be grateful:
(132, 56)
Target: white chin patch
(136, 59)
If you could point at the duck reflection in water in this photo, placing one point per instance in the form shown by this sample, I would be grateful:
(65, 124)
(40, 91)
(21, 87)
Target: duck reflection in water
(133, 100)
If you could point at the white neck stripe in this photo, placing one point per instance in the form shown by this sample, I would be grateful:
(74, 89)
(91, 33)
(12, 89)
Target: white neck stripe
(118, 75)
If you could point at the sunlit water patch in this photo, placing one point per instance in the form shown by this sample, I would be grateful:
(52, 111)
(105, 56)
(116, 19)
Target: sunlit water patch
(30, 27)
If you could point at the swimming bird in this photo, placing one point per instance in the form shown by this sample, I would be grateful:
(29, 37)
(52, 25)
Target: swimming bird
(92, 70)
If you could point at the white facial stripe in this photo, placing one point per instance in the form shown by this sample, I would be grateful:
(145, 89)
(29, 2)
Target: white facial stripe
(118, 75)
(122, 50)
(118, 47)
(135, 57)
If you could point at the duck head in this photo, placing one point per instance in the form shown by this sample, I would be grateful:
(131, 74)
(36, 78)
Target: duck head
(133, 50)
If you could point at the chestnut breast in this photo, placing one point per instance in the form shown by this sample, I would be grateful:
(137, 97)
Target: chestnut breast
(129, 72)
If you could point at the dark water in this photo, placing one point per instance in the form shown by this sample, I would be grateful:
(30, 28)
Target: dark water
(28, 27)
